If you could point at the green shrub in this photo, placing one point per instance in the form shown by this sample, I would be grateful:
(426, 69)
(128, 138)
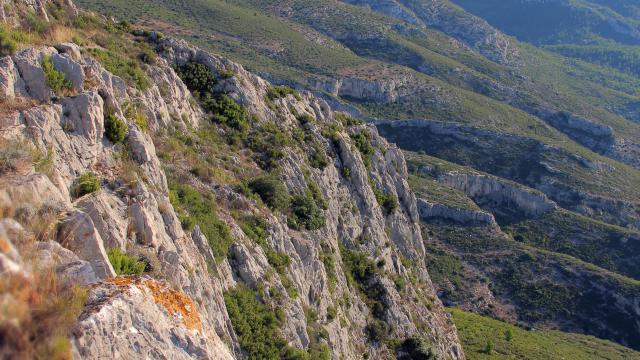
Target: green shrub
(279, 261)
(388, 201)
(415, 348)
(255, 228)
(195, 209)
(226, 111)
(347, 120)
(268, 143)
(305, 213)
(10, 38)
(87, 183)
(227, 74)
(377, 330)
(256, 325)
(361, 272)
(488, 348)
(272, 191)
(198, 78)
(124, 264)
(36, 23)
(318, 159)
(363, 143)
(330, 268)
(123, 66)
(114, 129)
(55, 79)
(305, 119)
(278, 92)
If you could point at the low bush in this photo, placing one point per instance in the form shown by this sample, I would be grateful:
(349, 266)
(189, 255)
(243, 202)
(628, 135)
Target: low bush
(387, 200)
(11, 38)
(268, 143)
(195, 209)
(42, 310)
(377, 330)
(87, 183)
(114, 129)
(16, 156)
(278, 92)
(256, 325)
(198, 78)
(123, 66)
(124, 264)
(363, 143)
(305, 212)
(279, 261)
(347, 120)
(255, 228)
(360, 273)
(55, 79)
(226, 111)
(415, 348)
(318, 159)
(272, 192)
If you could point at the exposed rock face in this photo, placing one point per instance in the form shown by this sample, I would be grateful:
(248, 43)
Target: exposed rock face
(451, 20)
(527, 161)
(128, 309)
(430, 210)
(490, 189)
(343, 227)
(141, 317)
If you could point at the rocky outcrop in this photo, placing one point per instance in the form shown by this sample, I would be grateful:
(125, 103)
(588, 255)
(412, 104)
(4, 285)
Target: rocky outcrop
(441, 15)
(429, 211)
(530, 163)
(487, 189)
(179, 311)
(352, 213)
(130, 308)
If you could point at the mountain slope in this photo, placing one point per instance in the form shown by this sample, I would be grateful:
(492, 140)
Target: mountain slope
(188, 208)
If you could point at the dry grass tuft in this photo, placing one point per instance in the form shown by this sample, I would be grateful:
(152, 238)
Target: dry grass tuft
(36, 316)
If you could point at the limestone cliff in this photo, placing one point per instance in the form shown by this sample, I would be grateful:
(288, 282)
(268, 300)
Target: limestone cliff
(108, 195)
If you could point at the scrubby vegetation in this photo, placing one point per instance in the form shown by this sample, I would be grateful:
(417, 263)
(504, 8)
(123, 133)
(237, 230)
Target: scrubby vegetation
(363, 143)
(114, 128)
(257, 326)
(361, 274)
(19, 156)
(387, 200)
(55, 79)
(477, 331)
(193, 209)
(305, 212)
(277, 92)
(123, 66)
(272, 191)
(124, 264)
(415, 348)
(11, 39)
(86, 183)
(42, 312)
(268, 142)
(223, 109)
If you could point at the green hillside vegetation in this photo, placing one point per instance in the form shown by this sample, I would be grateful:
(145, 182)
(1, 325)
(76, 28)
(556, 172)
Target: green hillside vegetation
(608, 246)
(512, 342)
(252, 33)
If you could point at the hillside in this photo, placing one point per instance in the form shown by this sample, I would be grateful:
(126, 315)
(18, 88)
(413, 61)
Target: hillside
(512, 342)
(159, 201)
(317, 180)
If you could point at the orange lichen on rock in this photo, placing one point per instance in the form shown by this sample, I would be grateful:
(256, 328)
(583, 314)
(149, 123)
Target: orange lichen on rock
(4, 246)
(173, 301)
